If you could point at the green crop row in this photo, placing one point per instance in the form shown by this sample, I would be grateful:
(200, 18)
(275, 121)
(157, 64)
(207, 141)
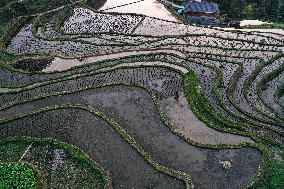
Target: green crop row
(232, 85)
(253, 76)
(246, 121)
(58, 80)
(12, 32)
(82, 4)
(269, 77)
(92, 73)
(200, 106)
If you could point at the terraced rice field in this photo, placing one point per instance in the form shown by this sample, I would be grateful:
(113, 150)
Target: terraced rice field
(108, 100)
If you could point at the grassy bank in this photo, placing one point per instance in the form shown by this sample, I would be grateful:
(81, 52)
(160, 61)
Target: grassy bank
(265, 26)
(273, 175)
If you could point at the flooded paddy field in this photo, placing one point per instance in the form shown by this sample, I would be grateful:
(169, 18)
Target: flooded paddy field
(163, 85)
(127, 96)
(196, 158)
(99, 140)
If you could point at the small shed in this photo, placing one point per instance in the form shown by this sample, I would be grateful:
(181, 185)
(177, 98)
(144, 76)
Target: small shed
(202, 12)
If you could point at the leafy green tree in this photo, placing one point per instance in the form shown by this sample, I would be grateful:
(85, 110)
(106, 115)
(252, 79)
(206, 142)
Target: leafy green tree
(268, 10)
(249, 11)
(280, 17)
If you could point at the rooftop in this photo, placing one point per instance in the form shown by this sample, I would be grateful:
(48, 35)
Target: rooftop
(196, 6)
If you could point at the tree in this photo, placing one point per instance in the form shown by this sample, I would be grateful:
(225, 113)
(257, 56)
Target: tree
(269, 10)
(249, 11)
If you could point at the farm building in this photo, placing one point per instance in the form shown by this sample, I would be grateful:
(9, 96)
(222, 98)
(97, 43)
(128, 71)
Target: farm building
(202, 12)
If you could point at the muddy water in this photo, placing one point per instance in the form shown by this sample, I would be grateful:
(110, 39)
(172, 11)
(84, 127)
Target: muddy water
(147, 7)
(184, 120)
(5, 90)
(60, 64)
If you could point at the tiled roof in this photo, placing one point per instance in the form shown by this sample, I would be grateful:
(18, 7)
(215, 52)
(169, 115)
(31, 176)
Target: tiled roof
(195, 6)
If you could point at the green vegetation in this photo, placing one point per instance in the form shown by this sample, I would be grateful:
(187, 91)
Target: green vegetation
(5, 27)
(270, 10)
(95, 4)
(273, 176)
(10, 12)
(12, 31)
(198, 56)
(272, 75)
(202, 107)
(17, 176)
(4, 3)
(94, 175)
(273, 171)
(29, 7)
(18, 145)
(265, 26)
(280, 92)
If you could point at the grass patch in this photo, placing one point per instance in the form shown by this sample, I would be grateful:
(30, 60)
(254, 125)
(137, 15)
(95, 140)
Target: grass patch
(265, 26)
(17, 176)
(280, 92)
(4, 27)
(273, 176)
